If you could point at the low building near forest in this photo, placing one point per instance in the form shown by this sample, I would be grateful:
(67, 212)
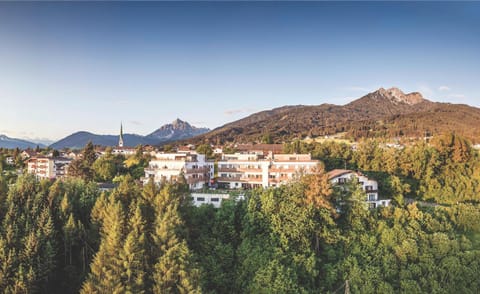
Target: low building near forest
(209, 198)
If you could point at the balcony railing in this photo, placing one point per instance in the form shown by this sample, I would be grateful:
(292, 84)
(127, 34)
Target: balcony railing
(196, 180)
(228, 170)
(197, 170)
(250, 170)
(280, 179)
(251, 180)
(155, 169)
(282, 170)
(229, 179)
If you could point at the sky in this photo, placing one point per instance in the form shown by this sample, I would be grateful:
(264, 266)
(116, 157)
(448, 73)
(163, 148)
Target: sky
(71, 66)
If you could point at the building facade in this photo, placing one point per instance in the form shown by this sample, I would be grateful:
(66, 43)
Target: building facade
(170, 166)
(48, 167)
(253, 170)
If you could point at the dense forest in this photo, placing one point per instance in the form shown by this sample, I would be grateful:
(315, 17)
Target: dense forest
(304, 237)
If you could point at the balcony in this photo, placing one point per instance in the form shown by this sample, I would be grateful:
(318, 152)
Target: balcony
(191, 181)
(155, 169)
(199, 170)
(250, 170)
(251, 180)
(279, 179)
(228, 170)
(229, 179)
(282, 170)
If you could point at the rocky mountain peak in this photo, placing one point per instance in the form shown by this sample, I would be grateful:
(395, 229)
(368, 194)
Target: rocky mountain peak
(178, 129)
(398, 96)
(178, 122)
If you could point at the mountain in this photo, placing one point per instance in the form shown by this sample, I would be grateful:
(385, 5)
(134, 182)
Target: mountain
(169, 132)
(7, 142)
(382, 113)
(79, 139)
(177, 130)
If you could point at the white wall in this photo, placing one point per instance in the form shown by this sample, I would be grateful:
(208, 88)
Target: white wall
(206, 198)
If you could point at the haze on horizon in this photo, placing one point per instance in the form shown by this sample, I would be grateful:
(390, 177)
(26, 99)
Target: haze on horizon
(70, 66)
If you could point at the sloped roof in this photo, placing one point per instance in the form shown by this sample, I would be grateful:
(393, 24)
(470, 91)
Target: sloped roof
(338, 172)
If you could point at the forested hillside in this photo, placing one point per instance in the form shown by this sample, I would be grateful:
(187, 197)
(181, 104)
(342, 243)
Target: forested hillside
(385, 113)
(68, 237)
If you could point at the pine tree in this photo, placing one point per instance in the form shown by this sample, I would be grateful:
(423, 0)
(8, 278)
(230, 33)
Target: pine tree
(133, 255)
(174, 271)
(106, 268)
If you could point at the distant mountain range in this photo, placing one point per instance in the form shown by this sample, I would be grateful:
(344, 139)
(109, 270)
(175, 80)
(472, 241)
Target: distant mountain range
(7, 142)
(176, 130)
(385, 113)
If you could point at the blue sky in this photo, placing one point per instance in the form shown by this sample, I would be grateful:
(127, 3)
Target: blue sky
(66, 66)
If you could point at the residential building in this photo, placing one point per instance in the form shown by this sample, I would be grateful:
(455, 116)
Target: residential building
(265, 149)
(253, 170)
(10, 160)
(26, 154)
(342, 176)
(48, 167)
(170, 166)
(125, 151)
(70, 154)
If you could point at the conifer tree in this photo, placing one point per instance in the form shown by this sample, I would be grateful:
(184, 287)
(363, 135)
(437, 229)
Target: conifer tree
(106, 268)
(133, 255)
(174, 271)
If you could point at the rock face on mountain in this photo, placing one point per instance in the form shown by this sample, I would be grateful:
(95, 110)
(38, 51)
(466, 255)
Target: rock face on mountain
(170, 132)
(382, 113)
(11, 143)
(177, 130)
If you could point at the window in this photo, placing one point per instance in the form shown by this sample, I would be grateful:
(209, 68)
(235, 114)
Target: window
(215, 199)
(369, 188)
(372, 197)
(342, 180)
(200, 198)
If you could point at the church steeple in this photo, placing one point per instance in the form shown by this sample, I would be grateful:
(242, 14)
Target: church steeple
(120, 138)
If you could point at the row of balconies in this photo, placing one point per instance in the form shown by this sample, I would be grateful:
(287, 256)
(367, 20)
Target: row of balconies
(253, 179)
(250, 169)
(188, 170)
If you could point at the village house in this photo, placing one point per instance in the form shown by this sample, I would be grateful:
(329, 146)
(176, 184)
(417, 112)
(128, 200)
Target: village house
(342, 176)
(10, 160)
(26, 154)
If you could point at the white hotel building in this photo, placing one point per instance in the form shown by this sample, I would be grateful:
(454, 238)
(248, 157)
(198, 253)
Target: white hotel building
(253, 170)
(169, 166)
